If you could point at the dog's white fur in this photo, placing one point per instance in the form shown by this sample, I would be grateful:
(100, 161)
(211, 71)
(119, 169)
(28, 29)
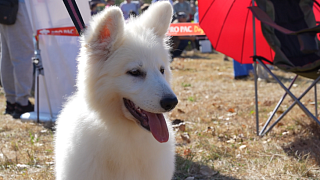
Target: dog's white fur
(97, 137)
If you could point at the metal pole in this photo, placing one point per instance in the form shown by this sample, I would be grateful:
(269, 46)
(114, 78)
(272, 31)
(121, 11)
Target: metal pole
(40, 71)
(316, 100)
(255, 72)
(37, 74)
(48, 99)
(35, 60)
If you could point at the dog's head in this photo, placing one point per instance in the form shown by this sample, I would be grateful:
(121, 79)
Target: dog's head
(124, 67)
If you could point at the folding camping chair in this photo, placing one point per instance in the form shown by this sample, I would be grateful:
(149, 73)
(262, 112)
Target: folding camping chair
(290, 29)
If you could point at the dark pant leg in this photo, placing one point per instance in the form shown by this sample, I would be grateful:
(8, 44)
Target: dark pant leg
(182, 45)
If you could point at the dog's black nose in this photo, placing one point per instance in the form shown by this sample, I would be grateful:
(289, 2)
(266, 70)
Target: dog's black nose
(169, 103)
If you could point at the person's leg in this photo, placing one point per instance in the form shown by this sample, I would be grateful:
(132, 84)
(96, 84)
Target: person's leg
(20, 46)
(7, 77)
(225, 58)
(197, 44)
(182, 45)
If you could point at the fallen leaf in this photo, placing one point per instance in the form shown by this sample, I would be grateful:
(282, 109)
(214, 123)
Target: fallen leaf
(22, 166)
(231, 110)
(50, 163)
(179, 124)
(231, 141)
(242, 147)
(38, 144)
(280, 111)
(180, 111)
(267, 103)
(231, 114)
(187, 152)
(43, 131)
(185, 137)
(182, 127)
(280, 124)
(211, 130)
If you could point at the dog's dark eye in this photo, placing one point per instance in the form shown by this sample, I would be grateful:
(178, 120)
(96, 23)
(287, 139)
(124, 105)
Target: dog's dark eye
(162, 70)
(135, 72)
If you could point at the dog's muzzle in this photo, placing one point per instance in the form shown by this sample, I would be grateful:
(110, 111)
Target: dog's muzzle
(153, 122)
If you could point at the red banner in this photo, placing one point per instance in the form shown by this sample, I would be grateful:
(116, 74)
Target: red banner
(185, 29)
(64, 31)
(178, 29)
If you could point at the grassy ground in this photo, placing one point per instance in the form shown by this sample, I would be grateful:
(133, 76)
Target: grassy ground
(215, 129)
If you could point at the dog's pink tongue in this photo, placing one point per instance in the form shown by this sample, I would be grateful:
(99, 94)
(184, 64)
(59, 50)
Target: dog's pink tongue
(158, 127)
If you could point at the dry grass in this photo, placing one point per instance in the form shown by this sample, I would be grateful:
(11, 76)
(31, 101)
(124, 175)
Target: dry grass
(218, 138)
(26, 149)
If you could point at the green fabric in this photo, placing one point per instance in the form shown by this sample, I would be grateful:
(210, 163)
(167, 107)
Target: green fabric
(280, 60)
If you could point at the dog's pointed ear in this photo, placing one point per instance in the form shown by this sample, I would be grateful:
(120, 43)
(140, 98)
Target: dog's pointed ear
(105, 31)
(158, 16)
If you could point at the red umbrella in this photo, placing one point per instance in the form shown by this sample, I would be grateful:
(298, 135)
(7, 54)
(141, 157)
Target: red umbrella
(228, 25)
(316, 11)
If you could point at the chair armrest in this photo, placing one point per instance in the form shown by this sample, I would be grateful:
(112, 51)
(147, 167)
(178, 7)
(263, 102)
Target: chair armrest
(264, 18)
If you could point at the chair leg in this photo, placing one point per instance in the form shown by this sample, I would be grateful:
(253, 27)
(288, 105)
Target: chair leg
(294, 103)
(285, 112)
(37, 83)
(297, 100)
(315, 100)
(256, 95)
(277, 107)
(289, 92)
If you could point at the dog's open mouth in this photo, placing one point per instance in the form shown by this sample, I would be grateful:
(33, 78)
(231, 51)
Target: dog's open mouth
(153, 122)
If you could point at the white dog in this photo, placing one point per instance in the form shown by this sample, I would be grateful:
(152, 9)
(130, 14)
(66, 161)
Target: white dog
(113, 127)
